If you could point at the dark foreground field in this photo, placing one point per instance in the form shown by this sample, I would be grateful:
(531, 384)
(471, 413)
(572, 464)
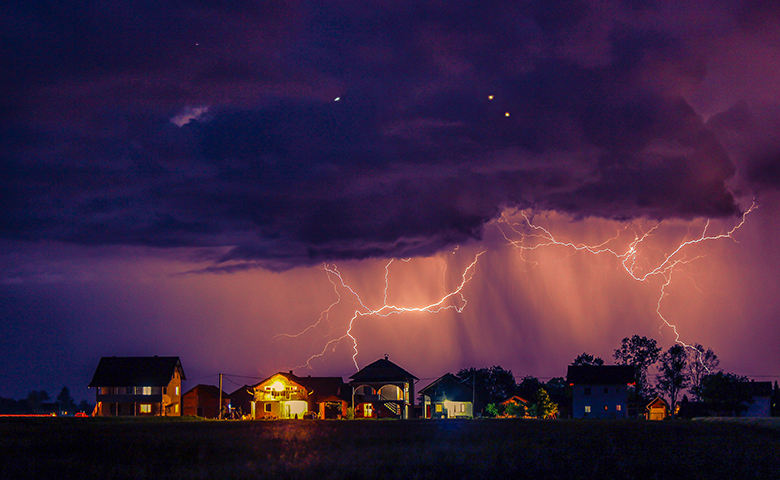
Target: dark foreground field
(127, 448)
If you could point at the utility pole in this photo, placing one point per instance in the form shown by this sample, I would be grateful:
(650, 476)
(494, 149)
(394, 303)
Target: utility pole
(219, 407)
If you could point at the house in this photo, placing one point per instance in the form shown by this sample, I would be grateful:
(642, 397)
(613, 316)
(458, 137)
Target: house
(138, 386)
(657, 409)
(242, 400)
(382, 390)
(285, 395)
(203, 401)
(761, 406)
(447, 397)
(514, 401)
(600, 391)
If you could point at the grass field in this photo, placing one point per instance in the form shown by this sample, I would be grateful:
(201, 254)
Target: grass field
(158, 448)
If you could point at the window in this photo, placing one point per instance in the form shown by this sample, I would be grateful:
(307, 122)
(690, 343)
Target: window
(177, 391)
(618, 407)
(587, 408)
(146, 390)
(267, 408)
(176, 408)
(146, 408)
(587, 390)
(462, 408)
(368, 410)
(165, 392)
(438, 408)
(606, 408)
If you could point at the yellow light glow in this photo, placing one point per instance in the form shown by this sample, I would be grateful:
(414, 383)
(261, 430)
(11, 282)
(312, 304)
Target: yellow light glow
(490, 97)
(277, 386)
(506, 114)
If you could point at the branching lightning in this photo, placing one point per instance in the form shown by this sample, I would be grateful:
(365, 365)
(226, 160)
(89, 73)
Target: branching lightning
(385, 310)
(628, 258)
(525, 236)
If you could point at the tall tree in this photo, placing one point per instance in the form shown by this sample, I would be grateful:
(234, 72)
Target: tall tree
(641, 353)
(673, 378)
(65, 401)
(587, 359)
(701, 363)
(34, 400)
(545, 407)
(724, 395)
(492, 385)
(528, 387)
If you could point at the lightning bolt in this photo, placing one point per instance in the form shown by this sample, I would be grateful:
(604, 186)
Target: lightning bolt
(446, 302)
(533, 237)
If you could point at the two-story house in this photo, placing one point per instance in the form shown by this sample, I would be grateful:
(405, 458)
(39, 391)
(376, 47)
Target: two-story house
(600, 391)
(383, 390)
(138, 386)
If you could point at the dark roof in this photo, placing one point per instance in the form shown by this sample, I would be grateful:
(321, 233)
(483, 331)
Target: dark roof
(383, 370)
(242, 392)
(210, 389)
(757, 389)
(136, 371)
(600, 374)
(323, 387)
(289, 376)
(450, 387)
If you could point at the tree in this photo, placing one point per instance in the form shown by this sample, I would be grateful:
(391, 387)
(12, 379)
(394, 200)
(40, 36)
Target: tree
(673, 378)
(34, 400)
(640, 353)
(492, 385)
(724, 394)
(65, 401)
(545, 407)
(701, 363)
(587, 359)
(528, 387)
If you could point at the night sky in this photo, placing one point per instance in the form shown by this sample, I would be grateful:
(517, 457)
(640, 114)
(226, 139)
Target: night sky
(177, 177)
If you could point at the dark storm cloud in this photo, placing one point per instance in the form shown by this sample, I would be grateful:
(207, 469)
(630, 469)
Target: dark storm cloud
(197, 124)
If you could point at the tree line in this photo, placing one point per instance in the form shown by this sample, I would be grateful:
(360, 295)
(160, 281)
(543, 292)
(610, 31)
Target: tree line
(694, 369)
(39, 402)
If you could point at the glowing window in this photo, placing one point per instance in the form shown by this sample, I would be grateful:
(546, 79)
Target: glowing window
(368, 410)
(606, 408)
(177, 391)
(146, 390)
(617, 407)
(146, 408)
(587, 408)
(176, 408)
(438, 408)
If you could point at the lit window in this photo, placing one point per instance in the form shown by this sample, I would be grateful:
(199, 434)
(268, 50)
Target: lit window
(618, 407)
(438, 408)
(587, 408)
(146, 408)
(177, 391)
(368, 410)
(462, 407)
(146, 390)
(176, 408)
(606, 408)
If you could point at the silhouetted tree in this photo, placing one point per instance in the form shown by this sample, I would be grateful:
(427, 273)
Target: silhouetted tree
(528, 387)
(775, 402)
(492, 385)
(724, 395)
(34, 400)
(641, 353)
(673, 377)
(85, 407)
(701, 362)
(587, 359)
(65, 401)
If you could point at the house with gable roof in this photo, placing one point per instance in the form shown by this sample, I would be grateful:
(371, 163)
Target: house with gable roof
(382, 389)
(203, 401)
(285, 395)
(600, 391)
(138, 386)
(447, 397)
